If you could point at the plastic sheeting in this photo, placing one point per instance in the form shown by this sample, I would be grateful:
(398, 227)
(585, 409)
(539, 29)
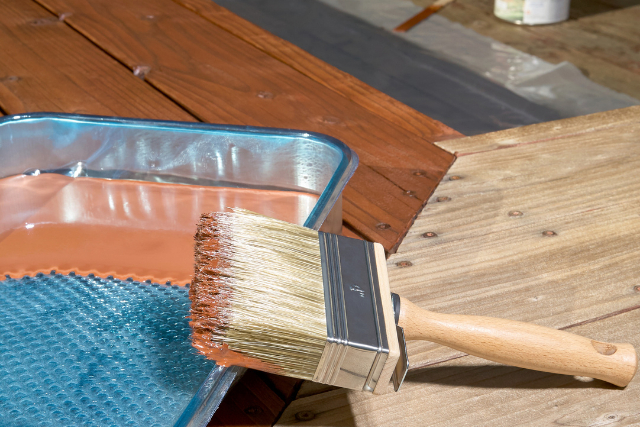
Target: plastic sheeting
(561, 87)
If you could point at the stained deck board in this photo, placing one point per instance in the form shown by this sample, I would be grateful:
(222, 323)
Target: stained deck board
(46, 66)
(472, 392)
(325, 74)
(575, 177)
(219, 77)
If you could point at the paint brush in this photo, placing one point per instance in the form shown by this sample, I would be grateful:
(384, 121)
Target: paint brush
(285, 299)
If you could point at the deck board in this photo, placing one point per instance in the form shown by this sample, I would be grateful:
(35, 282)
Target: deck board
(473, 392)
(221, 78)
(46, 66)
(490, 256)
(325, 74)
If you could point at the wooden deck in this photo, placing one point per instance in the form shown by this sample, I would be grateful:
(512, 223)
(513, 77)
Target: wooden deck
(538, 224)
(192, 60)
(160, 59)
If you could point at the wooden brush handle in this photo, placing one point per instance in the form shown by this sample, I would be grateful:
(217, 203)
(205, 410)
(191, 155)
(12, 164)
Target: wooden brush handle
(521, 344)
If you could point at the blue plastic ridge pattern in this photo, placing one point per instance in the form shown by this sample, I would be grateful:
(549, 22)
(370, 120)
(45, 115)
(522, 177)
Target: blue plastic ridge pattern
(88, 351)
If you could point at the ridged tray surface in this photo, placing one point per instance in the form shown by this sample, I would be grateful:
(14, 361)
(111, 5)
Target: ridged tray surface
(88, 351)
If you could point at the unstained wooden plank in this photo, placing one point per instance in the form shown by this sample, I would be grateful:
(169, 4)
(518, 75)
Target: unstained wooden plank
(544, 232)
(543, 131)
(473, 392)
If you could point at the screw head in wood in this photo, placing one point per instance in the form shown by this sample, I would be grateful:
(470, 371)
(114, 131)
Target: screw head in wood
(404, 264)
(549, 233)
(443, 199)
(515, 213)
(429, 235)
(330, 120)
(305, 416)
(141, 71)
(383, 226)
(253, 410)
(454, 177)
(265, 95)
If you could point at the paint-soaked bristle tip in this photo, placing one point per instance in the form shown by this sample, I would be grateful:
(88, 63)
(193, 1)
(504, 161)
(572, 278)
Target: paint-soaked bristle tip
(257, 296)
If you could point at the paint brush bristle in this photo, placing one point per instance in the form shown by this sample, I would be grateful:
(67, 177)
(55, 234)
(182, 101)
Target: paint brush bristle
(258, 292)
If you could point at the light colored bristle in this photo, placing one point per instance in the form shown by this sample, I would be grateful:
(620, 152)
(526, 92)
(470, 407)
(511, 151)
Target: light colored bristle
(266, 278)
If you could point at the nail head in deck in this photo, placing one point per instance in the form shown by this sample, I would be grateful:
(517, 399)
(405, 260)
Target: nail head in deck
(330, 120)
(253, 410)
(429, 235)
(443, 199)
(454, 177)
(637, 288)
(403, 264)
(265, 95)
(549, 233)
(305, 416)
(419, 173)
(515, 213)
(383, 226)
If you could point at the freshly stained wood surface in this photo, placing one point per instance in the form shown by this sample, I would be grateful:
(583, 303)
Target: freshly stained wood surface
(473, 392)
(163, 59)
(219, 77)
(46, 66)
(535, 226)
(604, 42)
(329, 76)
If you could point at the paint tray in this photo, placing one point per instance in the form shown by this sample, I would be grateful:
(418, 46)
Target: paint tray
(100, 351)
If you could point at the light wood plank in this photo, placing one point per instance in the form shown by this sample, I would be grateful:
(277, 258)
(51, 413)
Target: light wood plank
(542, 132)
(473, 392)
(577, 181)
(581, 186)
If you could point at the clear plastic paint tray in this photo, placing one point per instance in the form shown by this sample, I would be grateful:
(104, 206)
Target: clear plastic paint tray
(78, 348)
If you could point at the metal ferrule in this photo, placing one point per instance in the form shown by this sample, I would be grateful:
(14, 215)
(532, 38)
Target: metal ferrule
(357, 347)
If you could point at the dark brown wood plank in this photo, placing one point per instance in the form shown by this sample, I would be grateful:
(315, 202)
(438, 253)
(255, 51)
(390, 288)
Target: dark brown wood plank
(325, 74)
(221, 78)
(46, 66)
(253, 401)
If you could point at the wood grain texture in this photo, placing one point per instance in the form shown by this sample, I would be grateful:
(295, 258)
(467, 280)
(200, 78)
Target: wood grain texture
(605, 46)
(325, 74)
(471, 392)
(521, 344)
(252, 401)
(220, 78)
(544, 231)
(490, 256)
(46, 66)
(607, 120)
